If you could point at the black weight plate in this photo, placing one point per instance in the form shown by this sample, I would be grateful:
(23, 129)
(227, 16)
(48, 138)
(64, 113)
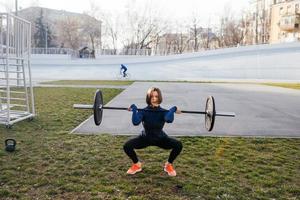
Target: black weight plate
(97, 110)
(210, 115)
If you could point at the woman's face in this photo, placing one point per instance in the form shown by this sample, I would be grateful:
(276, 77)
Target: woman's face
(154, 98)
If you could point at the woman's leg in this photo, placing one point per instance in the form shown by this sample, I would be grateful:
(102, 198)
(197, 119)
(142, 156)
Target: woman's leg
(171, 143)
(135, 143)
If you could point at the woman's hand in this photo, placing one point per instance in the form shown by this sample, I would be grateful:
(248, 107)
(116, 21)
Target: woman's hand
(132, 108)
(178, 111)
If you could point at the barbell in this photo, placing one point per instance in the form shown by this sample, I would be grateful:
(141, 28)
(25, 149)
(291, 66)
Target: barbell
(210, 110)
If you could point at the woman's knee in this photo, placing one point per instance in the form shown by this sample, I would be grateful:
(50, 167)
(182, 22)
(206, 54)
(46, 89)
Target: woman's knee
(176, 144)
(179, 145)
(127, 146)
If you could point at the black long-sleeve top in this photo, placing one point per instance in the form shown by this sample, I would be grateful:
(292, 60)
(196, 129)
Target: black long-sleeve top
(153, 122)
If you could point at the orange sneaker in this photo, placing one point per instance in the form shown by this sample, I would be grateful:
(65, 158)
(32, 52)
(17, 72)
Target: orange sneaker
(136, 167)
(169, 169)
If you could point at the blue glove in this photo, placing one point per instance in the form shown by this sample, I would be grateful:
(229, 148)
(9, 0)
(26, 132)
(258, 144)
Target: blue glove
(133, 107)
(173, 109)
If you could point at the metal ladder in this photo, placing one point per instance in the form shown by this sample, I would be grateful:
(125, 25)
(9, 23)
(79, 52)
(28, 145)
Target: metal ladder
(16, 95)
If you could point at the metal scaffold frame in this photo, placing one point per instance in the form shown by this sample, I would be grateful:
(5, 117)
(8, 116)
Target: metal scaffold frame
(16, 92)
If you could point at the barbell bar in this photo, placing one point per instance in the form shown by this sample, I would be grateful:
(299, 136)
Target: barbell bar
(210, 110)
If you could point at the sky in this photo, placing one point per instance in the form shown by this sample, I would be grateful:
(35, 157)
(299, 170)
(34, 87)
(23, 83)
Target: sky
(174, 12)
(169, 9)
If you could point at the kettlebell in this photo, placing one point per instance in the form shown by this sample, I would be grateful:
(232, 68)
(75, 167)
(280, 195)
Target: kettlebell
(10, 145)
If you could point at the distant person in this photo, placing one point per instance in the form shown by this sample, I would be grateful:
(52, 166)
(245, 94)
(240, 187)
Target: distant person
(123, 70)
(93, 54)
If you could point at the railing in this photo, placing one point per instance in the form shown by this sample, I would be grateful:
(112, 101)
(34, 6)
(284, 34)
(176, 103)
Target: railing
(142, 52)
(14, 36)
(52, 51)
(16, 92)
(75, 53)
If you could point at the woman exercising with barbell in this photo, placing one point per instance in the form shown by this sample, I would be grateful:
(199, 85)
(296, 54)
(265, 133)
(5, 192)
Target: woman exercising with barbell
(153, 135)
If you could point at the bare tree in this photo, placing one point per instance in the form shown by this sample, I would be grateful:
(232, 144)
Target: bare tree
(143, 27)
(233, 33)
(156, 40)
(93, 27)
(262, 21)
(111, 30)
(181, 42)
(143, 30)
(232, 29)
(245, 26)
(195, 30)
(181, 38)
(207, 35)
(69, 34)
(168, 41)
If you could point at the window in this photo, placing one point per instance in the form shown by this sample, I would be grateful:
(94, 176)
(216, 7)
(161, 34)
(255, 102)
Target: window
(296, 25)
(289, 10)
(297, 8)
(286, 21)
(281, 11)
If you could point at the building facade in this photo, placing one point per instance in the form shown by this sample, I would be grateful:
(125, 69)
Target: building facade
(285, 20)
(258, 20)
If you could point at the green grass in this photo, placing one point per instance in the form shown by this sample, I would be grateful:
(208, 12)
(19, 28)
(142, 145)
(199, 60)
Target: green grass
(50, 163)
(88, 82)
(285, 85)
